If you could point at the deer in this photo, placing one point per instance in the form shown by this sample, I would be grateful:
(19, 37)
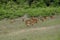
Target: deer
(34, 20)
(31, 21)
(28, 22)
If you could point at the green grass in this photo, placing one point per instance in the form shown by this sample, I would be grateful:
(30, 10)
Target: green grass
(49, 34)
(6, 26)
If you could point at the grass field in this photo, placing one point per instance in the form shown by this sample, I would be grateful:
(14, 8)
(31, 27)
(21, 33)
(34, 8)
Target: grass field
(12, 31)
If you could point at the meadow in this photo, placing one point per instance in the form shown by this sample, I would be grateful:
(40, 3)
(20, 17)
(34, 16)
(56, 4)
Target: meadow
(49, 29)
(19, 31)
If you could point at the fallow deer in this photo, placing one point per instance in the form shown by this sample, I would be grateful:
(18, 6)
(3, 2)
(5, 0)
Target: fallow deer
(28, 22)
(31, 21)
(34, 20)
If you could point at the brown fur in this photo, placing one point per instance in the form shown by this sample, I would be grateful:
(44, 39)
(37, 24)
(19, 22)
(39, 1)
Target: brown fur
(51, 17)
(31, 21)
(28, 22)
(34, 20)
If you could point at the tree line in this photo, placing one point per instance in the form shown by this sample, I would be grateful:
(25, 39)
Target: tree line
(37, 3)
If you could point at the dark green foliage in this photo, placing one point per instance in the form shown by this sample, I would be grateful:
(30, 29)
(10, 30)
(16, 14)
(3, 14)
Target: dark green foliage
(14, 11)
(17, 8)
(38, 3)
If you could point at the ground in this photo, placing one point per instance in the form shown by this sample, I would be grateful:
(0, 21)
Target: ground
(47, 30)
